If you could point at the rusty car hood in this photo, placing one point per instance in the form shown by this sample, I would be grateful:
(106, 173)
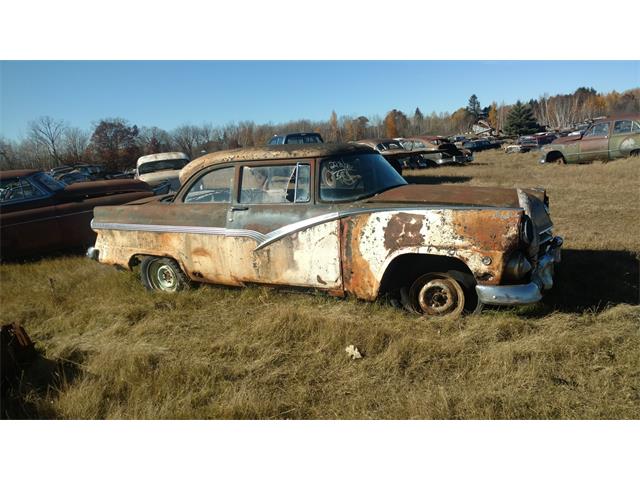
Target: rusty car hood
(450, 195)
(468, 196)
(106, 187)
(566, 140)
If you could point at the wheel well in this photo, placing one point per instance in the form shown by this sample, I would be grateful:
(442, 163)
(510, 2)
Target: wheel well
(554, 155)
(634, 153)
(135, 260)
(405, 269)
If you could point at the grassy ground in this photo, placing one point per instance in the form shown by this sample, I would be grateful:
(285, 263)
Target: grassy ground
(112, 350)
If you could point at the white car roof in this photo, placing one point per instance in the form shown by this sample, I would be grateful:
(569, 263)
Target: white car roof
(162, 156)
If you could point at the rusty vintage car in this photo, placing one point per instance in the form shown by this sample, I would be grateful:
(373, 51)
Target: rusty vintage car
(606, 139)
(338, 218)
(393, 151)
(436, 151)
(39, 214)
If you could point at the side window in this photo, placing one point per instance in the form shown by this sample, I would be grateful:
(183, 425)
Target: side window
(598, 130)
(275, 184)
(622, 126)
(18, 189)
(636, 126)
(212, 187)
(273, 141)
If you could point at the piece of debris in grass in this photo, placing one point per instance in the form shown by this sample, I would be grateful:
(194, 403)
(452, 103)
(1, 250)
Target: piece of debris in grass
(353, 352)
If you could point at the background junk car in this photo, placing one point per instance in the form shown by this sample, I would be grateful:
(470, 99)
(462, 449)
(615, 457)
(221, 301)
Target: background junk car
(393, 152)
(39, 214)
(339, 218)
(436, 151)
(161, 168)
(606, 139)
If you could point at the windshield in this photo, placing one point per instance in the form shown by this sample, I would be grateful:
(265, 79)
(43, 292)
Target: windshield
(161, 165)
(353, 177)
(49, 182)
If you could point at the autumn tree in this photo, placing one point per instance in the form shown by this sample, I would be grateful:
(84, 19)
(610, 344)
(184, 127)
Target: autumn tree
(334, 130)
(521, 121)
(461, 120)
(492, 115)
(114, 142)
(390, 126)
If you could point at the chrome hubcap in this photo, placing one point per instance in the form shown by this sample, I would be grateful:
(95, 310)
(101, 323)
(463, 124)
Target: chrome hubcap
(164, 278)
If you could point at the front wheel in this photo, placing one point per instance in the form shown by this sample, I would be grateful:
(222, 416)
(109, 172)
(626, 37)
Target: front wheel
(163, 274)
(437, 295)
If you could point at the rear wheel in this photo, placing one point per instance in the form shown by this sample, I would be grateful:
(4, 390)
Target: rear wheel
(163, 274)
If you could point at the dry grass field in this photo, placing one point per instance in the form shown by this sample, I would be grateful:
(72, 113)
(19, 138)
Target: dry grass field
(109, 349)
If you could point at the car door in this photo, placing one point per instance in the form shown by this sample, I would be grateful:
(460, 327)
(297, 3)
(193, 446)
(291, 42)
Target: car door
(595, 143)
(28, 219)
(200, 209)
(625, 138)
(289, 239)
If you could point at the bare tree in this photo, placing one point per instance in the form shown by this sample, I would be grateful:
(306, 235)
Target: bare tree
(74, 144)
(187, 139)
(48, 133)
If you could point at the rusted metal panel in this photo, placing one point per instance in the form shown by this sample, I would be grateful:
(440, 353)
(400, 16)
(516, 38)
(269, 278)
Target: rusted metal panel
(372, 241)
(450, 195)
(308, 258)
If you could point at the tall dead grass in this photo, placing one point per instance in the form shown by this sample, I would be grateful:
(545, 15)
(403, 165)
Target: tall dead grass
(259, 353)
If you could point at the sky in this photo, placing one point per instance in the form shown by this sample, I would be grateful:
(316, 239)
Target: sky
(167, 94)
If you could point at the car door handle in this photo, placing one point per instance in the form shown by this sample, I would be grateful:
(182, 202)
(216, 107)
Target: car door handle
(239, 209)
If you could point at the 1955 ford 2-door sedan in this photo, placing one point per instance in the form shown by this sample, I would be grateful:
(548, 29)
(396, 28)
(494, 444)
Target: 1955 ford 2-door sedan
(338, 218)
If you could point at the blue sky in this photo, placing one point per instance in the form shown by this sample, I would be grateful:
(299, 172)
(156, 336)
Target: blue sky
(167, 94)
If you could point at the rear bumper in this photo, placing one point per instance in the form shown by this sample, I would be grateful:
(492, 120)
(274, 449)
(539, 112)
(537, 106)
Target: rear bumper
(541, 280)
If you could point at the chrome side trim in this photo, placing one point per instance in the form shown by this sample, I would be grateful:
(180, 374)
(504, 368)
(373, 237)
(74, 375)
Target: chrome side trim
(275, 235)
(281, 232)
(136, 227)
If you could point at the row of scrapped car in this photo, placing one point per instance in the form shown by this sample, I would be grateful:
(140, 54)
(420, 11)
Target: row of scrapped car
(603, 139)
(426, 151)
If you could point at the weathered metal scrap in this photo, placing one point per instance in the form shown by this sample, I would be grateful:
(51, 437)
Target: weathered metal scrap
(16, 350)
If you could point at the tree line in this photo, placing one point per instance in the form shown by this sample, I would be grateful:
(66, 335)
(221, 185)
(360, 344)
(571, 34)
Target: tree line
(116, 143)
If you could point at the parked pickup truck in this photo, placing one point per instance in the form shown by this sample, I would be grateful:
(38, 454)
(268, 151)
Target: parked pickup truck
(337, 218)
(606, 139)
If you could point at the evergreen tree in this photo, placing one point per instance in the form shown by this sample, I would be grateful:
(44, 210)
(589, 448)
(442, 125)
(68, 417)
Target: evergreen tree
(474, 106)
(418, 119)
(521, 121)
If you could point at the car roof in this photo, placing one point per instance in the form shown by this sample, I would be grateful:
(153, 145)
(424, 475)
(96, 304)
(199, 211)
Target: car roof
(4, 174)
(619, 116)
(162, 156)
(271, 152)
